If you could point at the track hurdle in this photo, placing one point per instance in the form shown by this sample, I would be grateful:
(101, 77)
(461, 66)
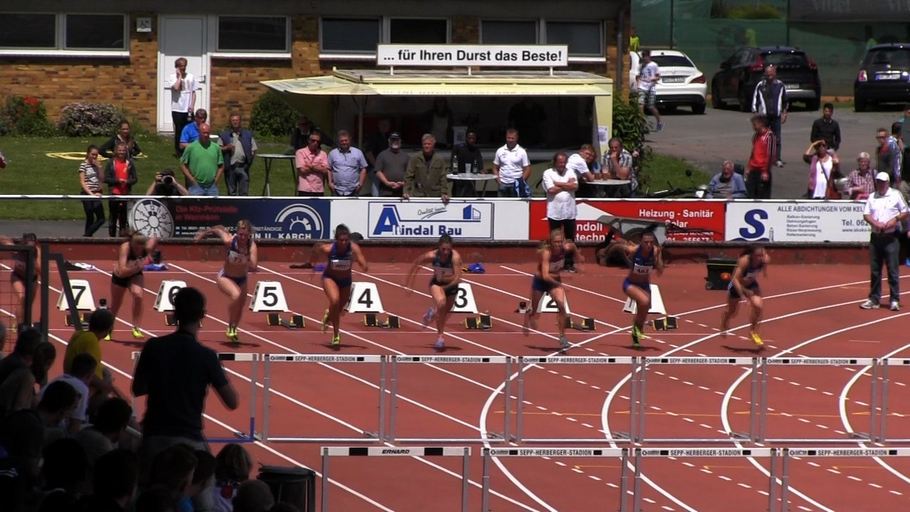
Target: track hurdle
(327, 361)
(395, 451)
(491, 453)
(398, 360)
(239, 435)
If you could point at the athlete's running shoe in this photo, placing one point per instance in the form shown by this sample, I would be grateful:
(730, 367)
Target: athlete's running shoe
(107, 338)
(636, 336)
(325, 321)
(336, 340)
(137, 333)
(564, 342)
(440, 344)
(756, 339)
(429, 316)
(232, 334)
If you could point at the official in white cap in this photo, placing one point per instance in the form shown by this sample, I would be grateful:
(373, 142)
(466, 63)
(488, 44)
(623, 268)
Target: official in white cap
(885, 211)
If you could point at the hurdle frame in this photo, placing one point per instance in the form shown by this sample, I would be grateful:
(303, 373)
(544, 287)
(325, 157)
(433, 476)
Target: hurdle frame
(396, 360)
(325, 360)
(395, 451)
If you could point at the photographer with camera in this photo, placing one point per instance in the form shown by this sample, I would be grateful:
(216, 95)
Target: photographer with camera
(166, 185)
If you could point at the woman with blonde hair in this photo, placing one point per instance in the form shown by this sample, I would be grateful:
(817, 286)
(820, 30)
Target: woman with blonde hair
(132, 256)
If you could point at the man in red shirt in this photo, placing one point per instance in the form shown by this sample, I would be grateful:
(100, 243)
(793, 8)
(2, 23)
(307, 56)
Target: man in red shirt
(758, 172)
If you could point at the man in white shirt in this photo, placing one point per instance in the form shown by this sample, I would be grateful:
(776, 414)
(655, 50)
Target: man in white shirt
(560, 184)
(885, 211)
(584, 165)
(183, 87)
(647, 87)
(512, 167)
(79, 376)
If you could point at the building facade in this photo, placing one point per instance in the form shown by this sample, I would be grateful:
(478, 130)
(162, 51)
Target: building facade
(121, 52)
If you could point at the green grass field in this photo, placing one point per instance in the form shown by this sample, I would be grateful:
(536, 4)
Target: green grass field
(49, 166)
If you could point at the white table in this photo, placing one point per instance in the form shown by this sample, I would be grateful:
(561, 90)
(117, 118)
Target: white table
(268, 158)
(609, 188)
(473, 178)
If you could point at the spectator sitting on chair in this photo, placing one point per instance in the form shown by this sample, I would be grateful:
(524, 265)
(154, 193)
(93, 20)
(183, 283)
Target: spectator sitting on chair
(232, 468)
(107, 428)
(18, 389)
(21, 358)
(173, 469)
(617, 165)
(312, 165)
(426, 172)
(348, 168)
(123, 135)
(193, 131)
(202, 164)
(727, 184)
(254, 496)
(79, 376)
(165, 184)
(512, 167)
(391, 165)
(100, 325)
(239, 148)
(584, 165)
(64, 472)
(114, 478)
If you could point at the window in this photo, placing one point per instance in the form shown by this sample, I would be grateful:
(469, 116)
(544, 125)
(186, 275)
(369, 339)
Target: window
(253, 33)
(95, 32)
(418, 31)
(28, 30)
(349, 35)
(508, 32)
(584, 38)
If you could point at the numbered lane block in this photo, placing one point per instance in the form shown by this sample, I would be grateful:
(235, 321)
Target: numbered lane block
(364, 298)
(164, 301)
(374, 320)
(295, 322)
(464, 300)
(269, 297)
(483, 322)
(548, 305)
(657, 303)
(82, 294)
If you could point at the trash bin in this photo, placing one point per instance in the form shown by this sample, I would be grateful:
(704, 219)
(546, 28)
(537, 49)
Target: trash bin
(720, 271)
(294, 485)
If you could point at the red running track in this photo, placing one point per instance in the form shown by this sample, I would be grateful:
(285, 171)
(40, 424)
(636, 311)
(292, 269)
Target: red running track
(810, 311)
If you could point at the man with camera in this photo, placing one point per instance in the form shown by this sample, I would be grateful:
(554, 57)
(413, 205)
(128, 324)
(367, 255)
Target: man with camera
(166, 185)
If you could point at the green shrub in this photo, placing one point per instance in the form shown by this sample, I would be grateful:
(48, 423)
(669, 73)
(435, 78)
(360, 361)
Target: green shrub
(272, 115)
(629, 123)
(89, 119)
(25, 116)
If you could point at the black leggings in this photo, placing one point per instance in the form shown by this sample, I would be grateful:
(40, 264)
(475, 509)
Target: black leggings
(117, 210)
(94, 216)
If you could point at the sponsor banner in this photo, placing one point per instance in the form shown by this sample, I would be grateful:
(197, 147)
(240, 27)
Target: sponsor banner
(796, 221)
(273, 218)
(442, 55)
(429, 219)
(688, 221)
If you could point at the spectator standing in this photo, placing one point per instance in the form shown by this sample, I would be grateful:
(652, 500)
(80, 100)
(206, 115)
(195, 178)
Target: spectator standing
(826, 128)
(438, 122)
(560, 185)
(634, 40)
(770, 100)
(861, 181)
(3, 161)
(312, 165)
(123, 135)
(175, 371)
(584, 165)
(824, 168)
(391, 165)
(182, 86)
(165, 184)
(378, 143)
(425, 175)
(90, 176)
(888, 156)
(202, 164)
(528, 117)
(885, 210)
(512, 167)
(758, 172)
(905, 137)
(239, 149)
(727, 184)
(300, 135)
(647, 87)
(467, 158)
(348, 167)
(120, 176)
(192, 131)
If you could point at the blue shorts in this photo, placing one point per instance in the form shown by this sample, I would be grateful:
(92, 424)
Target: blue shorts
(342, 282)
(240, 281)
(539, 285)
(646, 287)
(449, 289)
(734, 295)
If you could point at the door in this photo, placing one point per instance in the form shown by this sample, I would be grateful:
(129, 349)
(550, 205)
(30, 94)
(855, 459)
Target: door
(181, 36)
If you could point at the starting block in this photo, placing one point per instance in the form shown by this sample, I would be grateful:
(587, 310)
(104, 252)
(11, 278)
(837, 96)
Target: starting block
(171, 320)
(479, 322)
(373, 320)
(666, 323)
(83, 319)
(586, 324)
(296, 321)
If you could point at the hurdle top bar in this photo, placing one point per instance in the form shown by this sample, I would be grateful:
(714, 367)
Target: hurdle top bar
(848, 452)
(223, 356)
(556, 452)
(323, 358)
(705, 452)
(395, 451)
(576, 360)
(820, 361)
(452, 359)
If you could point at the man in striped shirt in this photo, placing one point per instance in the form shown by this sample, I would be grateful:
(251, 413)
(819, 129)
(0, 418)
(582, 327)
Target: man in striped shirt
(758, 172)
(770, 100)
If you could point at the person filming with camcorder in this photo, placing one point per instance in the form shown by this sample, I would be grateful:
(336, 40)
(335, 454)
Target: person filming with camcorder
(166, 185)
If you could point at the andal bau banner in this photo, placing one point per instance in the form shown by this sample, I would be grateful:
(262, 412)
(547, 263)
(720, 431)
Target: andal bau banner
(273, 218)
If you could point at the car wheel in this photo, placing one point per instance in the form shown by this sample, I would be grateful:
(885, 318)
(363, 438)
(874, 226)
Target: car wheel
(716, 102)
(812, 104)
(698, 108)
(859, 104)
(745, 105)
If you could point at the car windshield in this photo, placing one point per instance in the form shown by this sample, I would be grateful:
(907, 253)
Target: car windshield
(672, 61)
(897, 57)
(786, 59)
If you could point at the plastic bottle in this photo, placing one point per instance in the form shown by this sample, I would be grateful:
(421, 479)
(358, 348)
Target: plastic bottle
(771, 234)
(455, 164)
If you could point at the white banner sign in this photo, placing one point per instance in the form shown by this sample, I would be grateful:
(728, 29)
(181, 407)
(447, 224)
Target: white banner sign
(429, 219)
(796, 221)
(442, 55)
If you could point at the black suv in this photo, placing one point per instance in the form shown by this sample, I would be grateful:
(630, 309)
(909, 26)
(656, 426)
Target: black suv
(883, 77)
(739, 75)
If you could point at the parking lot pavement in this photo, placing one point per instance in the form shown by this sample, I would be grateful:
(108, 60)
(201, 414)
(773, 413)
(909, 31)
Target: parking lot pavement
(707, 140)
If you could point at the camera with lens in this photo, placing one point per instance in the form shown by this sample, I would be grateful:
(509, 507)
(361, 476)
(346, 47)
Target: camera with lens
(168, 180)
